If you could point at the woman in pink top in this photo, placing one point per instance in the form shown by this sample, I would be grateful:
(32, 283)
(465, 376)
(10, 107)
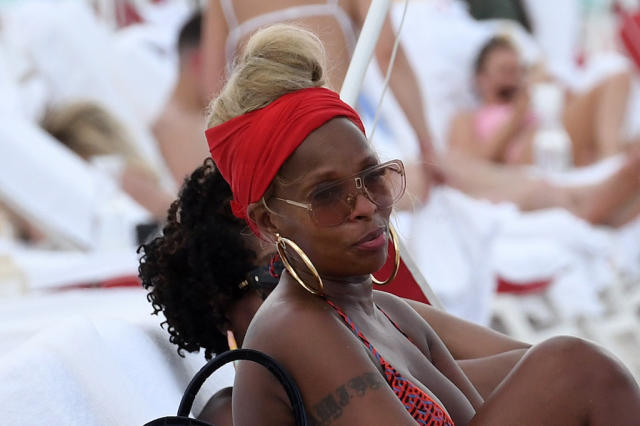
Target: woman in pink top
(501, 130)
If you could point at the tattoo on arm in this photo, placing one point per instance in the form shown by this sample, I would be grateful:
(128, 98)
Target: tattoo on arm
(330, 407)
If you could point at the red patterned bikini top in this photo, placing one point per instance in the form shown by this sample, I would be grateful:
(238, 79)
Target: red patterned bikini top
(418, 403)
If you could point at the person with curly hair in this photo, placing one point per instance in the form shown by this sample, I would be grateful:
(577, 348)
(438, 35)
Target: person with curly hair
(208, 274)
(197, 270)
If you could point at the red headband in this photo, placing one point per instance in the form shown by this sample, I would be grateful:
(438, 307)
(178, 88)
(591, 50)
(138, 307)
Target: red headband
(250, 149)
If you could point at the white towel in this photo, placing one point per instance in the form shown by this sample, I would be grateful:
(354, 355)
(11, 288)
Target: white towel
(102, 372)
(47, 183)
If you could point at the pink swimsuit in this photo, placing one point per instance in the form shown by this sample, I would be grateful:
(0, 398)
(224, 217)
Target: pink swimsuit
(488, 119)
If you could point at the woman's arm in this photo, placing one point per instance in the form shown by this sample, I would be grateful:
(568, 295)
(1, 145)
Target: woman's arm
(144, 188)
(460, 135)
(485, 356)
(403, 81)
(464, 339)
(214, 37)
(488, 372)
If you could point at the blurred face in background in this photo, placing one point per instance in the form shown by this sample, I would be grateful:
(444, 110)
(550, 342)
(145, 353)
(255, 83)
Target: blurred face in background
(500, 77)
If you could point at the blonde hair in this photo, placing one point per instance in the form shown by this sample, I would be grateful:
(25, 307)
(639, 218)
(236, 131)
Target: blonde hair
(276, 60)
(89, 130)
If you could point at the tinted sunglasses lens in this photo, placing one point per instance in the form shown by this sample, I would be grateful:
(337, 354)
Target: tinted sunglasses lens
(329, 206)
(385, 185)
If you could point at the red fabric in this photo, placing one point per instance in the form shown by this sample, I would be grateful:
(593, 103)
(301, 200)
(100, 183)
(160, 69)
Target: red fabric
(404, 285)
(505, 286)
(250, 149)
(116, 282)
(630, 35)
(126, 14)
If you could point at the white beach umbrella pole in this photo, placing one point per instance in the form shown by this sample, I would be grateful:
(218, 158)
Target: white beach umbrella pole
(349, 93)
(364, 50)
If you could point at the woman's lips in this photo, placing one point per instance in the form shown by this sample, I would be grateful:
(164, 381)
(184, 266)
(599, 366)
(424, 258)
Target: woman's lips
(373, 240)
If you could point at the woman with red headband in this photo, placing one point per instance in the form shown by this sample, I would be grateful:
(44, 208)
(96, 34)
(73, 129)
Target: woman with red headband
(304, 177)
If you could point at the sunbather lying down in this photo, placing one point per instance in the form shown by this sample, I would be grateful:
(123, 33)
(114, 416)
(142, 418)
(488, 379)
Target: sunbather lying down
(309, 182)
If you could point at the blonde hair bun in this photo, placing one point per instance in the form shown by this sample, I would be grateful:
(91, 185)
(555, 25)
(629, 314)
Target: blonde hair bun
(275, 61)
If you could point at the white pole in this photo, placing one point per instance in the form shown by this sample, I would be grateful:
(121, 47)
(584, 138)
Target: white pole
(364, 50)
(349, 94)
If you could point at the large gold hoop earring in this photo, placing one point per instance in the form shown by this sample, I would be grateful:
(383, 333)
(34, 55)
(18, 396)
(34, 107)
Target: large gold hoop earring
(396, 267)
(281, 245)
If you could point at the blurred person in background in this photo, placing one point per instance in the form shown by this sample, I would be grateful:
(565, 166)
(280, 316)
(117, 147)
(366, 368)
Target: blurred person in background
(179, 128)
(228, 24)
(612, 201)
(96, 136)
(503, 126)
(502, 9)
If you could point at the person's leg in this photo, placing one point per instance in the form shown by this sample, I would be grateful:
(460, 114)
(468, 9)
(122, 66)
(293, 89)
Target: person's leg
(487, 373)
(629, 212)
(564, 381)
(607, 201)
(594, 119)
(500, 183)
(578, 121)
(494, 182)
(598, 204)
(611, 112)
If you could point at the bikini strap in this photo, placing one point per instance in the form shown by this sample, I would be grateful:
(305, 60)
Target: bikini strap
(394, 323)
(356, 330)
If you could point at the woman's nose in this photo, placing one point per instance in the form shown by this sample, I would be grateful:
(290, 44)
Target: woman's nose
(363, 207)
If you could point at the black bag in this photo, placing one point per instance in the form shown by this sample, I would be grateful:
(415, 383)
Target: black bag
(182, 418)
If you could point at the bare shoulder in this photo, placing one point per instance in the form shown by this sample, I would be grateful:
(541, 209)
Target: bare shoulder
(284, 317)
(462, 117)
(174, 119)
(339, 382)
(293, 331)
(403, 314)
(462, 120)
(393, 304)
(460, 129)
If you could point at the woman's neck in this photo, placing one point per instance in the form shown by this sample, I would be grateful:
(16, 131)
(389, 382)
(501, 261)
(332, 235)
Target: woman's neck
(348, 293)
(351, 293)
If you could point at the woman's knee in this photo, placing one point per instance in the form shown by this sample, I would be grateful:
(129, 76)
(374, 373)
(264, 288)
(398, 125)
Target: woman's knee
(582, 363)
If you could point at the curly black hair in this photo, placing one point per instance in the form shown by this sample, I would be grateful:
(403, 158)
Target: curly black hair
(193, 269)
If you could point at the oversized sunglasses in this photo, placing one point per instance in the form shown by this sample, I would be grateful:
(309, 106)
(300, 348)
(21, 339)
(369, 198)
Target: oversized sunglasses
(332, 203)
